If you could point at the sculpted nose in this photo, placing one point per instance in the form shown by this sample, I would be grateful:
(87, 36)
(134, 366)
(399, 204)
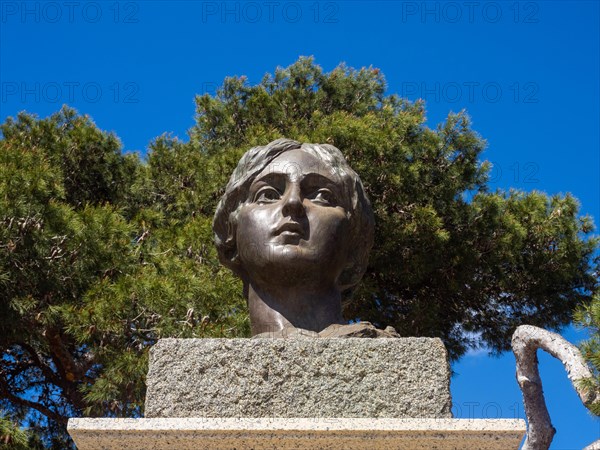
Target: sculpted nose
(293, 203)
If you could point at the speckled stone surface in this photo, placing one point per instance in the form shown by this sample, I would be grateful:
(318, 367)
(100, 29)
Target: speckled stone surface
(354, 377)
(287, 434)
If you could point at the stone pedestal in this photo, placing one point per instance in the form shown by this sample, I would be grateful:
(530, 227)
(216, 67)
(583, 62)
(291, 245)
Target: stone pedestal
(352, 377)
(225, 394)
(295, 434)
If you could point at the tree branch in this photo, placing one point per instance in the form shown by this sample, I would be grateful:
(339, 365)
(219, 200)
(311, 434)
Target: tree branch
(46, 370)
(526, 341)
(593, 446)
(68, 367)
(4, 393)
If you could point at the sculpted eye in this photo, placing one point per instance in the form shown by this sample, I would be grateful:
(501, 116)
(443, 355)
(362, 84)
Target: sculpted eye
(323, 196)
(267, 195)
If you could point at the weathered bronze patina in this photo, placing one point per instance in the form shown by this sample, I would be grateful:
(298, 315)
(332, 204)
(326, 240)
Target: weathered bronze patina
(296, 226)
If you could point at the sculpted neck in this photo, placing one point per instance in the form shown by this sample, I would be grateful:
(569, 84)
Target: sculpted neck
(311, 308)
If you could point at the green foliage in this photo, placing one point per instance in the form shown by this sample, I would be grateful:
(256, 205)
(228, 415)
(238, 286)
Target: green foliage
(100, 256)
(90, 162)
(451, 259)
(588, 316)
(102, 253)
(11, 436)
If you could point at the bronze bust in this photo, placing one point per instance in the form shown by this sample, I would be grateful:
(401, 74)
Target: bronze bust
(296, 226)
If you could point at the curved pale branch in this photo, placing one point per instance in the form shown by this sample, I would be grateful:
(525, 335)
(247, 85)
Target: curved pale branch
(593, 446)
(526, 341)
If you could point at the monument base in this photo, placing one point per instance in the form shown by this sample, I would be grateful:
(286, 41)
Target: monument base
(353, 377)
(290, 433)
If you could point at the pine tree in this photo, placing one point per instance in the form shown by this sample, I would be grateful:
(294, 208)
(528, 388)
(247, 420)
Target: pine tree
(588, 316)
(11, 436)
(102, 253)
(95, 266)
(451, 259)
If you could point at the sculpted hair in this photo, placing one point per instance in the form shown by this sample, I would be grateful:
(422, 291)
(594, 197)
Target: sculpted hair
(253, 162)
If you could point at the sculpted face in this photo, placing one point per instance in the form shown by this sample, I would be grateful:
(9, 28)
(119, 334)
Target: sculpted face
(295, 224)
(293, 227)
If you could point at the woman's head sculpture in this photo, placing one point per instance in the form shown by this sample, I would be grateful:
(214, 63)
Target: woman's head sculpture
(295, 225)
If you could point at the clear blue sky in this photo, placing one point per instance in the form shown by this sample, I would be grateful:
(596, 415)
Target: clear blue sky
(527, 72)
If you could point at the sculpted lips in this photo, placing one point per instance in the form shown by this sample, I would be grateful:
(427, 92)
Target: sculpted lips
(292, 229)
